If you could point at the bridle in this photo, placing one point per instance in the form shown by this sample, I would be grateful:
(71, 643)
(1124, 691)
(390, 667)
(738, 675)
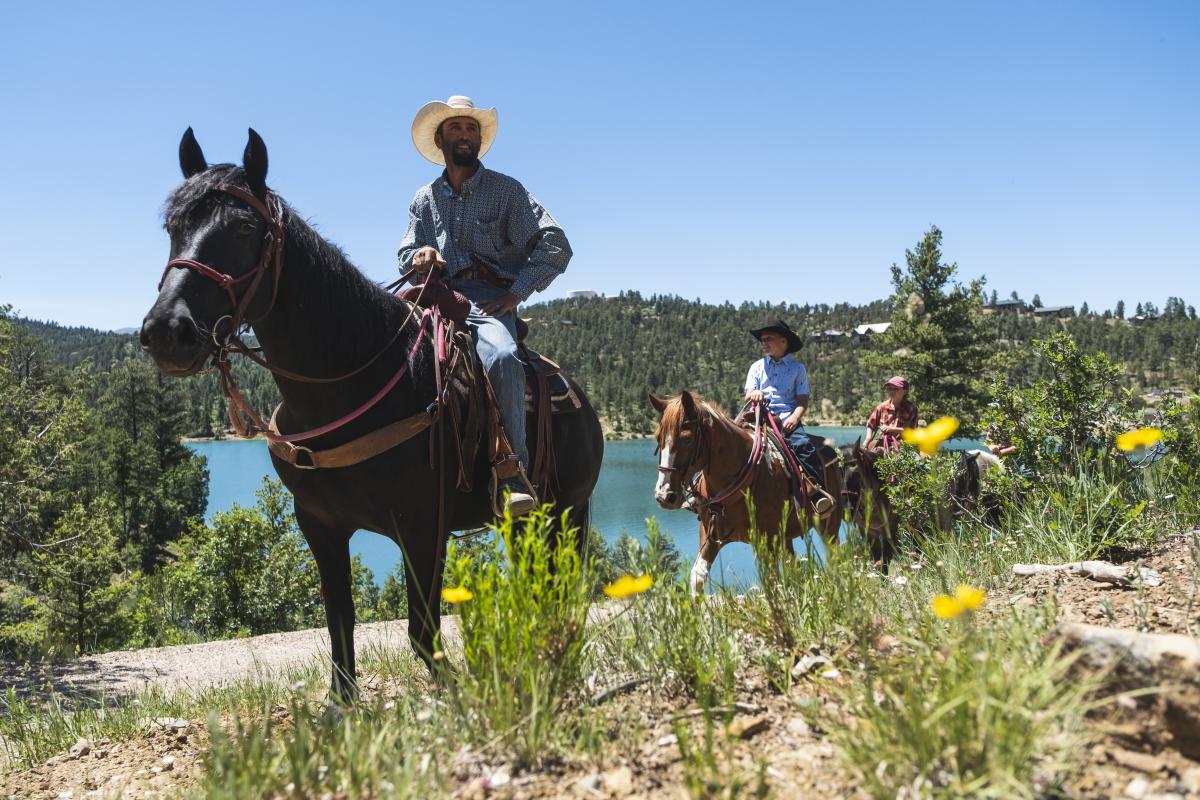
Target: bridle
(692, 467)
(271, 259)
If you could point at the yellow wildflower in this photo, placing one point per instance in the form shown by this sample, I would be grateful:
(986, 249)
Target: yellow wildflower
(966, 598)
(1142, 437)
(930, 438)
(457, 594)
(627, 586)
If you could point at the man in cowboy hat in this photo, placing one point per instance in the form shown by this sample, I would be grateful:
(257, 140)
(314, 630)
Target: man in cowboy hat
(496, 243)
(780, 384)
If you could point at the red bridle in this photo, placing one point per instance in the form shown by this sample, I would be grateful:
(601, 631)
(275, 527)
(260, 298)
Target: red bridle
(270, 258)
(690, 469)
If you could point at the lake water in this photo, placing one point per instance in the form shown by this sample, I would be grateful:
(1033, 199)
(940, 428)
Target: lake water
(623, 501)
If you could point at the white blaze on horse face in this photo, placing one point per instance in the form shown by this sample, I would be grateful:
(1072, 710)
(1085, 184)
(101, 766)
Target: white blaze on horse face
(699, 575)
(664, 478)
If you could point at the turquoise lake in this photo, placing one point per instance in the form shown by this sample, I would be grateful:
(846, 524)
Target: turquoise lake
(623, 501)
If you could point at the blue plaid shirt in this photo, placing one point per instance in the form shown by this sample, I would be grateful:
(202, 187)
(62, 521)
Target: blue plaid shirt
(494, 220)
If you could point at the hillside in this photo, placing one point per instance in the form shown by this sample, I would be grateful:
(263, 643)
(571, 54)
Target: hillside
(621, 347)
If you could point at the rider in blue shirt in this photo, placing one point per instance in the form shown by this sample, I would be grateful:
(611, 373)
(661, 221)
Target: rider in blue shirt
(781, 385)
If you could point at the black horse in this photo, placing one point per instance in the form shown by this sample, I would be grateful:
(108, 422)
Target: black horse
(315, 314)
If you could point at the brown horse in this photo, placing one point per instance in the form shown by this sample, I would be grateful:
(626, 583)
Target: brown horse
(697, 439)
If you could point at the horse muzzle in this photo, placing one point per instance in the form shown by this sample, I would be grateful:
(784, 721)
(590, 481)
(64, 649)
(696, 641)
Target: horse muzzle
(174, 343)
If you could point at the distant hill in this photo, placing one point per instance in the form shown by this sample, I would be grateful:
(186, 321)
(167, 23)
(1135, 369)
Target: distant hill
(619, 348)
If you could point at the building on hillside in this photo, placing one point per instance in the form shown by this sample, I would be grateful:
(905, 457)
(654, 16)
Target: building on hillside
(827, 336)
(582, 294)
(1143, 319)
(1055, 312)
(864, 332)
(1017, 307)
(1157, 396)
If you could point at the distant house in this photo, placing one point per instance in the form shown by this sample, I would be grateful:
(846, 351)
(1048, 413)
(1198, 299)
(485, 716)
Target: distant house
(1017, 307)
(1143, 319)
(864, 332)
(827, 336)
(584, 294)
(1054, 312)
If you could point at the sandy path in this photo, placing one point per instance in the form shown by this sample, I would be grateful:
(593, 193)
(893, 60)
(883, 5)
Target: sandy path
(196, 667)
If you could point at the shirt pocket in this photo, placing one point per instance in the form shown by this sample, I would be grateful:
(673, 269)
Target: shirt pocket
(486, 236)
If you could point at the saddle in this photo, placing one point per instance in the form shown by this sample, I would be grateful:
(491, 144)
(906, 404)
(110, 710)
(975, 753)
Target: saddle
(473, 411)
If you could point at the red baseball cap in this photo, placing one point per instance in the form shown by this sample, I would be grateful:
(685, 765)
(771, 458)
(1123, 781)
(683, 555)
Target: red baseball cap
(899, 381)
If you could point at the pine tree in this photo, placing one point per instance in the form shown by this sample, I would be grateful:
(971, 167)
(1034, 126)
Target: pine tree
(938, 337)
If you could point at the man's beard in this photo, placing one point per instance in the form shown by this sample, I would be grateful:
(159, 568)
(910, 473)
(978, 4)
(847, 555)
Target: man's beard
(464, 159)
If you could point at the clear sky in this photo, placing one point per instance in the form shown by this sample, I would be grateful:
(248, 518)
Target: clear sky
(726, 151)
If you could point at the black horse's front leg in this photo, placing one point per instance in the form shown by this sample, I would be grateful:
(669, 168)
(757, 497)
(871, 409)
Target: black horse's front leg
(331, 549)
(424, 558)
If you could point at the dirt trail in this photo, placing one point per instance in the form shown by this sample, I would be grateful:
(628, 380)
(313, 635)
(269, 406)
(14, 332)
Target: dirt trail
(196, 667)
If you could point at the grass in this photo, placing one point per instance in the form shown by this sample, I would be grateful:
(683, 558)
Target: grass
(975, 706)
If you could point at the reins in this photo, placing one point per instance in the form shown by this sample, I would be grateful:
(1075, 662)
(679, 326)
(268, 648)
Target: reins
(743, 476)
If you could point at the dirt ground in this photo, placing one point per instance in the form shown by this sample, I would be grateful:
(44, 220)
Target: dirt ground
(1132, 752)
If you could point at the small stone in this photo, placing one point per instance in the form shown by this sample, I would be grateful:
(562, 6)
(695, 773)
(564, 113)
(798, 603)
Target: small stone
(81, 748)
(168, 763)
(749, 728)
(171, 723)
(498, 779)
(798, 727)
(1137, 788)
(808, 664)
(589, 784)
(619, 781)
(668, 740)
(1142, 762)
(831, 674)
(1191, 780)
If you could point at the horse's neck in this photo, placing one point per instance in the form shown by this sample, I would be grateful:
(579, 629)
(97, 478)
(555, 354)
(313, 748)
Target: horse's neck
(729, 450)
(329, 320)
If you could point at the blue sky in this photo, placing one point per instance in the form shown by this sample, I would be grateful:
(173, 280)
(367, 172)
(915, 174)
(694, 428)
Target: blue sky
(725, 151)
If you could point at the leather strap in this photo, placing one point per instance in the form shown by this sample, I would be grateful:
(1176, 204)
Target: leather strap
(355, 451)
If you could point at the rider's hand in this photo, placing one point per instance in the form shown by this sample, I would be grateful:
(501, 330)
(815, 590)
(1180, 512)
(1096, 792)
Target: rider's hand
(426, 258)
(789, 424)
(501, 305)
(754, 396)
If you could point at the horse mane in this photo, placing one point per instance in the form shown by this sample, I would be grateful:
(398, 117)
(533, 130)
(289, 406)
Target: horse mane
(350, 302)
(673, 416)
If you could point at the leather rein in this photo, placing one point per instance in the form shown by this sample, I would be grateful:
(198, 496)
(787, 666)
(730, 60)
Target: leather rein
(271, 260)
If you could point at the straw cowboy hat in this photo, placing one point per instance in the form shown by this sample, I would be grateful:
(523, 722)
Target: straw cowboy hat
(434, 113)
(794, 342)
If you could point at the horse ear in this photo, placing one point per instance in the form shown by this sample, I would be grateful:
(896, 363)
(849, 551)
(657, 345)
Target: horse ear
(191, 157)
(659, 403)
(254, 161)
(689, 404)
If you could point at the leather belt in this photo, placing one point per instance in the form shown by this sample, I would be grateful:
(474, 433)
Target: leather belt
(482, 272)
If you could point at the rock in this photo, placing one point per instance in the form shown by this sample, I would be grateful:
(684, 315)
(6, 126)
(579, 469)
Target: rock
(668, 740)
(1190, 779)
(808, 664)
(619, 781)
(1142, 762)
(172, 723)
(1096, 570)
(168, 763)
(1137, 788)
(798, 727)
(589, 785)
(749, 728)
(81, 748)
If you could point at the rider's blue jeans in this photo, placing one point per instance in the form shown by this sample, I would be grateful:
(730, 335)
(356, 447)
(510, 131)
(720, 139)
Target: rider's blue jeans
(496, 343)
(806, 454)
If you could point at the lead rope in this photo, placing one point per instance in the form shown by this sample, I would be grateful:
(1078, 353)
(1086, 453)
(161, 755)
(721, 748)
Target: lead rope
(801, 476)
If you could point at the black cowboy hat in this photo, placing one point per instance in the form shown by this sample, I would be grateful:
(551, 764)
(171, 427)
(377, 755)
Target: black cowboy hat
(779, 326)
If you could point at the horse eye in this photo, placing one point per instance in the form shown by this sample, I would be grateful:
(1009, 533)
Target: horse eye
(246, 227)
